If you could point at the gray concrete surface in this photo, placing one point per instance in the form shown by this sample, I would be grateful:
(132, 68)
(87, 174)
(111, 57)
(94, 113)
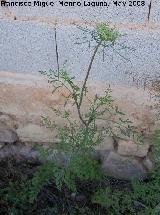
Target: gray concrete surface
(155, 13)
(27, 47)
(112, 13)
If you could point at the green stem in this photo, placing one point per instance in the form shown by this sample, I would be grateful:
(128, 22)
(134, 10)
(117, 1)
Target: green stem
(85, 82)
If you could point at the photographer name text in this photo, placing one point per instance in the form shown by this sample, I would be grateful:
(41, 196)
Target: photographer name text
(43, 4)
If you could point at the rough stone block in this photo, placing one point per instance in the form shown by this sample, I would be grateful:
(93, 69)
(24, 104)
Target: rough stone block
(156, 126)
(35, 134)
(7, 135)
(8, 121)
(107, 144)
(103, 149)
(123, 168)
(129, 148)
(148, 164)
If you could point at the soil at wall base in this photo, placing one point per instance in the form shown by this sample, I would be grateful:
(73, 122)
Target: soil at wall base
(18, 171)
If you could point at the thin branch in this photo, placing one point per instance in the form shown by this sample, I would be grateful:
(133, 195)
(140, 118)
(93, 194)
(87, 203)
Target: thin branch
(79, 111)
(57, 54)
(84, 86)
(88, 72)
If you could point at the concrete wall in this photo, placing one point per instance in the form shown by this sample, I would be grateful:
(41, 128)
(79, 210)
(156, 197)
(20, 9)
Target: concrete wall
(27, 39)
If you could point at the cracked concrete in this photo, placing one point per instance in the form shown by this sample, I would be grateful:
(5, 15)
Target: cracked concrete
(34, 48)
(27, 40)
(50, 17)
(115, 14)
(155, 12)
(150, 7)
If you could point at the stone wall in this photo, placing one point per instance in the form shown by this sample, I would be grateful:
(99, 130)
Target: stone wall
(28, 45)
(119, 158)
(25, 98)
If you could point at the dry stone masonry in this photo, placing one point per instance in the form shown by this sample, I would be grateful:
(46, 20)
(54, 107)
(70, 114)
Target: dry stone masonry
(128, 161)
(20, 125)
(27, 31)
